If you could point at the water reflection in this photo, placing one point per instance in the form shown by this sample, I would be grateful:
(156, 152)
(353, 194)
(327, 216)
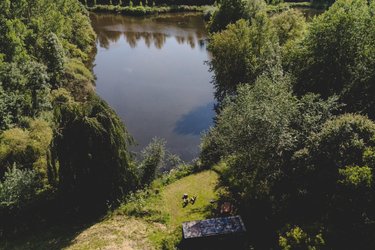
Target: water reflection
(152, 31)
(196, 121)
(152, 72)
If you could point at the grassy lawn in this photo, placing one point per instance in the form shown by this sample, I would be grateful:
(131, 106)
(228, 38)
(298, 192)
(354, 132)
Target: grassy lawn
(202, 185)
(151, 220)
(165, 207)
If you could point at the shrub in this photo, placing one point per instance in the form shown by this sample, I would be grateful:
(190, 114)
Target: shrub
(18, 188)
(356, 176)
(296, 238)
(337, 56)
(241, 53)
(152, 160)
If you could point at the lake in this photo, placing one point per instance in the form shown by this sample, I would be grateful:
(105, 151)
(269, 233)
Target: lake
(152, 72)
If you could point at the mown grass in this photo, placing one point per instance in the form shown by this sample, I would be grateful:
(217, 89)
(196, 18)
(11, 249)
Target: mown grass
(163, 204)
(149, 219)
(202, 185)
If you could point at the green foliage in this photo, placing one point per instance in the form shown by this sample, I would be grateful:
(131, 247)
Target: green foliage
(133, 10)
(13, 33)
(83, 35)
(230, 11)
(174, 174)
(26, 85)
(172, 240)
(152, 160)
(337, 56)
(46, 45)
(356, 176)
(257, 134)
(5, 114)
(18, 187)
(78, 79)
(248, 130)
(241, 53)
(117, 3)
(344, 199)
(264, 113)
(256, 130)
(289, 160)
(92, 150)
(296, 238)
(38, 86)
(54, 57)
(138, 205)
(27, 147)
(369, 156)
(291, 27)
(343, 141)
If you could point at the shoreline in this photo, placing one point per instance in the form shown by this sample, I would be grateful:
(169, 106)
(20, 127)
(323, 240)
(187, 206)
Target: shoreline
(149, 10)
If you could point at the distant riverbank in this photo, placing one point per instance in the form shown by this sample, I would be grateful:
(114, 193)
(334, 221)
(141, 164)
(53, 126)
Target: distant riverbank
(150, 10)
(206, 10)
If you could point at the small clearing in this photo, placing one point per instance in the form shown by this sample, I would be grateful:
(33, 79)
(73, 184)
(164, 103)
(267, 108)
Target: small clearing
(150, 222)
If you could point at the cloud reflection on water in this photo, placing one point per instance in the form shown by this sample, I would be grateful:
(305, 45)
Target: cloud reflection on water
(196, 121)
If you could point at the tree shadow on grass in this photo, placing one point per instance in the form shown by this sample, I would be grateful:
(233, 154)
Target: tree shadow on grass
(48, 237)
(47, 224)
(209, 210)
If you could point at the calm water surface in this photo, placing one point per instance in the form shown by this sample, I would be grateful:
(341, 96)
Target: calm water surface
(152, 72)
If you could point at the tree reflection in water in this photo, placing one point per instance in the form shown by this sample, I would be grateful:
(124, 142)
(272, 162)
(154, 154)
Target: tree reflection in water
(190, 29)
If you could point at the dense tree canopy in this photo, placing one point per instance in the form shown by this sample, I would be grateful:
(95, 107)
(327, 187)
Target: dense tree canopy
(241, 53)
(230, 11)
(92, 151)
(246, 49)
(337, 56)
(57, 138)
(296, 162)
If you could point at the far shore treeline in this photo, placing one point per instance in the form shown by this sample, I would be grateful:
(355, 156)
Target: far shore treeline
(146, 2)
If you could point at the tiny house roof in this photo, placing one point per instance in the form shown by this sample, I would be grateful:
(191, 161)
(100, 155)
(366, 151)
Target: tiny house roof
(213, 227)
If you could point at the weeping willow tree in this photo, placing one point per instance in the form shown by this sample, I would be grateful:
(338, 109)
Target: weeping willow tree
(92, 153)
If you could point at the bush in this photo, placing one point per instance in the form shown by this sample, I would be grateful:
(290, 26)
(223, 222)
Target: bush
(230, 11)
(296, 238)
(337, 56)
(174, 174)
(18, 188)
(138, 204)
(334, 178)
(92, 150)
(241, 53)
(152, 160)
(27, 147)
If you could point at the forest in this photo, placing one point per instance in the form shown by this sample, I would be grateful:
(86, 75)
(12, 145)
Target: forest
(294, 131)
(62, 148)
(295, 122)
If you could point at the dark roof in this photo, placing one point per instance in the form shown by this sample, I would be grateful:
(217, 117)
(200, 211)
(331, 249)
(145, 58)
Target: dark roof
(212, 227)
